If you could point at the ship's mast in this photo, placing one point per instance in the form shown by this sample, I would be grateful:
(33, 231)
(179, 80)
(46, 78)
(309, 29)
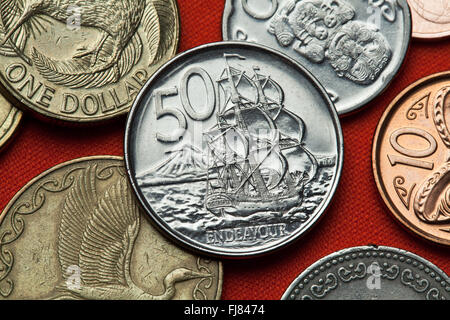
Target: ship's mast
(244, 176)
(262, 96)
(235, 97)
(267, 103)
(236, 100)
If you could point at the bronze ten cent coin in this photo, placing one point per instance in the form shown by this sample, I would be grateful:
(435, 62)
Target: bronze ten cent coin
(411, 158)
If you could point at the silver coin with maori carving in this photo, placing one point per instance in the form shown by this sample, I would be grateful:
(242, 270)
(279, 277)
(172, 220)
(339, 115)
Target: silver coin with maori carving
(83, 61)
(411, 158)
(354, 47)
(224, 151)
(76, 232)
(370, 273)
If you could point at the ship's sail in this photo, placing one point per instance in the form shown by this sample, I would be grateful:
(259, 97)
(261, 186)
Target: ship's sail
(230, 79)
(256, 146)
(271, 96)
(228, 145)
(269, 160)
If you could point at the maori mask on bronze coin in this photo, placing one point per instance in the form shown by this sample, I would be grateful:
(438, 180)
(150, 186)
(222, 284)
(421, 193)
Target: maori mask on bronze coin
(432, 201)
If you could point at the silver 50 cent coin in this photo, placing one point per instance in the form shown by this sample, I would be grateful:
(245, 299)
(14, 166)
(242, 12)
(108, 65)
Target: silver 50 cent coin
(370, 273)
(353, 47)
(233, 149)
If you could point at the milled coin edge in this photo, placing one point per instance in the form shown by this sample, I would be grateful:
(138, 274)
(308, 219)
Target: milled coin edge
(17, 116)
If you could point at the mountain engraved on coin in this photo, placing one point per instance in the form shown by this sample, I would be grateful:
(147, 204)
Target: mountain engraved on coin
(83, 60)
(412, 155)
(348, 39)
(242, 158)
(367, 273)
(100, 248)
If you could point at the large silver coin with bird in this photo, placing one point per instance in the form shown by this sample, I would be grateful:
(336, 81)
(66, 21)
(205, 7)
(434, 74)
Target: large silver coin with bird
(76, 232)
(370, 273)
(354, 47)
(225, 151)
(83, 61)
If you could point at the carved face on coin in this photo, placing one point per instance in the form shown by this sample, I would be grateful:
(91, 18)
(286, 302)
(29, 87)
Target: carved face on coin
(411, 158)
(224, 151)
(76, 232)
(358, 53)
(83, 61)
(353, 47)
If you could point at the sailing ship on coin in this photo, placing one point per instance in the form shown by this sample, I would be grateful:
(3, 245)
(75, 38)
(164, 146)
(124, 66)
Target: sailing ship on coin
(255, 160)
(252, 146)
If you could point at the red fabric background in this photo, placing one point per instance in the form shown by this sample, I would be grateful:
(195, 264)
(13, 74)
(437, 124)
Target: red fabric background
(357, 215)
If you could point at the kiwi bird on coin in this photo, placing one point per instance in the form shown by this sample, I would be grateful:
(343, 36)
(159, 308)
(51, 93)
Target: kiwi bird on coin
(97, 235)
(118, 49)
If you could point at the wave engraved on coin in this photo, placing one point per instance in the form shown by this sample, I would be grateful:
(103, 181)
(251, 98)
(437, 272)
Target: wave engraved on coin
(96, 238)
(244, 188)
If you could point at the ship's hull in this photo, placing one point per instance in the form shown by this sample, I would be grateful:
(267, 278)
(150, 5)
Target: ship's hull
(241, 206)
